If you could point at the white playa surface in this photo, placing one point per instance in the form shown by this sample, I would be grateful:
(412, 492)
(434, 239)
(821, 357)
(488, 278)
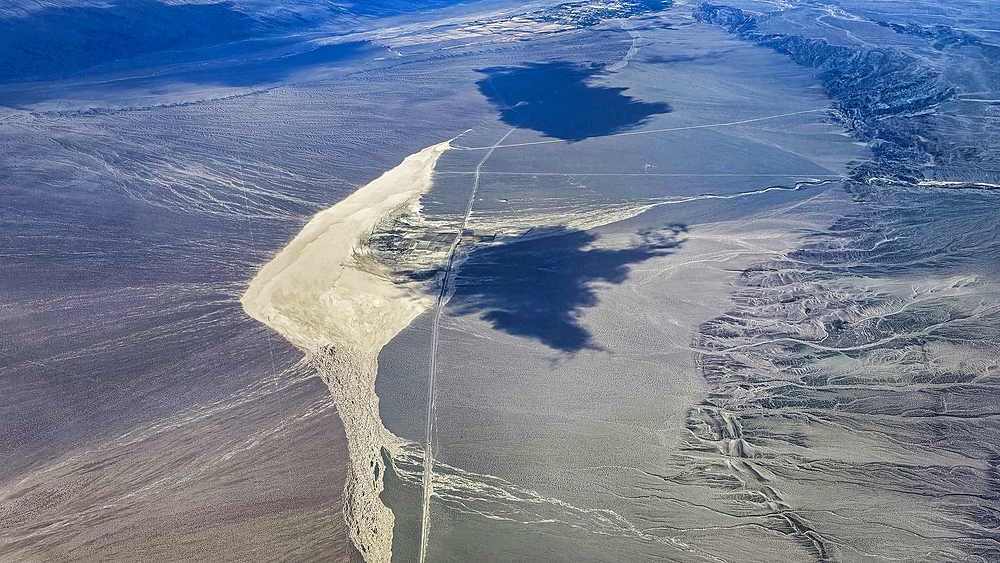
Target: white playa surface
(315, 293)
(322, 298)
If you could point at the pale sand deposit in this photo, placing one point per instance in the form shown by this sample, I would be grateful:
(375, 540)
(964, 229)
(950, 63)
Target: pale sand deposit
(319, 296)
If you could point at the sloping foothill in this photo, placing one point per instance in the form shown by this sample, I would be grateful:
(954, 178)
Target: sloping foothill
(59, 41)
(148, 46)
(887, 97)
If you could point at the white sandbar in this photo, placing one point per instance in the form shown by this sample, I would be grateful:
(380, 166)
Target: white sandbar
(314, 294)
(322, 299)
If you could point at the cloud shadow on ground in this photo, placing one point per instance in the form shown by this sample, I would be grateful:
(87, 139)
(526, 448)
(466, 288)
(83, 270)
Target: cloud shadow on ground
(538, 288)
(557, 100)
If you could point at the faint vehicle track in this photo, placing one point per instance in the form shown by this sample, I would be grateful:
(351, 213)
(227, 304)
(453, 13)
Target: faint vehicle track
(435, 330)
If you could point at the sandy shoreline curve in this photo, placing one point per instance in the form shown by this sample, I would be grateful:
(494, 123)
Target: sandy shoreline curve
(318, 296)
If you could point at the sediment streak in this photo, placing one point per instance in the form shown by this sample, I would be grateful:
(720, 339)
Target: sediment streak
(318, 296)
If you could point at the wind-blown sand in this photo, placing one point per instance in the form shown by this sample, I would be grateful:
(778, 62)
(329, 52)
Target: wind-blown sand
(320, 297)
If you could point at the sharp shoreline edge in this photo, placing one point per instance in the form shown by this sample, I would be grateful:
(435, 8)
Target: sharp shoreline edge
(317, 295)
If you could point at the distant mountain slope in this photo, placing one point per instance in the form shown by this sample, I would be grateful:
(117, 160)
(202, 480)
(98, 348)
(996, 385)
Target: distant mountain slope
(56, 39)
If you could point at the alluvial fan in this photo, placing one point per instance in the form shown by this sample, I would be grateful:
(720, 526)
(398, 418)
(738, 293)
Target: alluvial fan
(853, 384)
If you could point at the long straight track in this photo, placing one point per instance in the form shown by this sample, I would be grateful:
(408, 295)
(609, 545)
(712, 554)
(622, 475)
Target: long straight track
(432, 369)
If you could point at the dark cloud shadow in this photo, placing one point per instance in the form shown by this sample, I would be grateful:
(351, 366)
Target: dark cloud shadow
(537, 288)
(555, 99)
